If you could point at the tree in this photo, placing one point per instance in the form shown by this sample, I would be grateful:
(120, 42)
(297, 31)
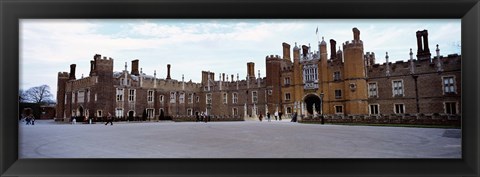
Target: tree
(40, 95)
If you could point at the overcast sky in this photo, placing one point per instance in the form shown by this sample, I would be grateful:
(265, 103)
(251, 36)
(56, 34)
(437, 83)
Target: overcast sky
(218, 45)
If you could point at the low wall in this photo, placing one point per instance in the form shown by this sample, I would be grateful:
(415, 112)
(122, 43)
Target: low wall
(420, 119)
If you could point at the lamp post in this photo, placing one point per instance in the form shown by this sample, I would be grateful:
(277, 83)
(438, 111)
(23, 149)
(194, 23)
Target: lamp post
(321, 107)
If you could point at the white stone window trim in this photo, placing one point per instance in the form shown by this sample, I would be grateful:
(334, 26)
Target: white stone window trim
(395, 108)
(225, 98)
(150, 96)
(121, 91)
(289, 96)
(335, 108)
(254, 97)
(454, 83)
(445, 106)
(234, 97)
(132, 96)
(393, 88)
(376, 89)
(370, 108)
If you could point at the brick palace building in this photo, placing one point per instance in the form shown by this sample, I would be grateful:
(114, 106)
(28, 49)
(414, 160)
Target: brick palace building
(345, 84)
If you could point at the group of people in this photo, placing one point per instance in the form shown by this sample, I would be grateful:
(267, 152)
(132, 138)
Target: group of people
(202, 117)
(277, 115)
(30, 119)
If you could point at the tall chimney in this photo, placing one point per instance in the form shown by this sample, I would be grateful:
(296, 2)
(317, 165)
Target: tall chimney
(168, 71)
(223, 77)
(72, 71)
(251, 70)
(419, 42)
(92, 67)
(425, 41)
(135, 67)
(333, 44)
(286, 51)
(356, 34)
(304, 50)
(232, 77)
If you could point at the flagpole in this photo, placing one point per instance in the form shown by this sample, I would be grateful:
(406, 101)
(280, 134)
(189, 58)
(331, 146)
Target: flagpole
(316, 32)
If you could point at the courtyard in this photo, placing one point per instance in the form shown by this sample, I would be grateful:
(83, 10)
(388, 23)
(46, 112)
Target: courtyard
(245, 139)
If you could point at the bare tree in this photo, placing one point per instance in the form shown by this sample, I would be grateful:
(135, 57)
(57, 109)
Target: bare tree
(40, 94)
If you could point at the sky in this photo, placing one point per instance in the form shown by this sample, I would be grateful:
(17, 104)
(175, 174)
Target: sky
(190, 46)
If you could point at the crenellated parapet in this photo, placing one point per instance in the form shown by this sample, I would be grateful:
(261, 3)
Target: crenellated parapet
(63, 75)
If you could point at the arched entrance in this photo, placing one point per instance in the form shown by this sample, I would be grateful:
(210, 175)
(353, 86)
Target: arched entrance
(311, 100)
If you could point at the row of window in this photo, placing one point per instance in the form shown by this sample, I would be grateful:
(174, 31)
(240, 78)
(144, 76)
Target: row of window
(399, 90)
(399, 108)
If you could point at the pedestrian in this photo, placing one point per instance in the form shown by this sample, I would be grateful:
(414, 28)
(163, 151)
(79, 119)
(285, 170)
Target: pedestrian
(294, 117)
(260, 117)
(280, 115)
(276, 115)
(28, 119)
(33, 120)
(109, 119)
(74, 120)
(268, 116)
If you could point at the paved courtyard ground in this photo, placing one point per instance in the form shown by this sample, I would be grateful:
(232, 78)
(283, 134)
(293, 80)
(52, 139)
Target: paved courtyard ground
(250, 139)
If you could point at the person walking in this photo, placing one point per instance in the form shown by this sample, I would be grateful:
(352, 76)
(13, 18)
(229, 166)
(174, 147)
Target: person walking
(268, 116)
(197, 117)
(280, 115)
(260, 117)
(109, 119)
(276, 115)
(294, 117)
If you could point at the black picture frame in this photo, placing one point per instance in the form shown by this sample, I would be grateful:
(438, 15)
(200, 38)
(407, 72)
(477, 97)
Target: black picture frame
(11, 11)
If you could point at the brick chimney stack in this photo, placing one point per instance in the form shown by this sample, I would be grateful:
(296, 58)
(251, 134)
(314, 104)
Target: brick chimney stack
(72, 71)
(135, 67)
(168, 71)
(333, 46)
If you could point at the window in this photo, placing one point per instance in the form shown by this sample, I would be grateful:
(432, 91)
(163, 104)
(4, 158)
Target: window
(208, 98)
(150, 113)
(119, 94)
(225, 100)
(287, 96)
(119, 112)
(448, 85)
(338, 109)
(88, 95)
(234, 98)
(338, 94)
(73, 97)
(254, 97)
(310, 73)
(398, 88)
(131, 95)
(451, 107)
(373, 109)
(198, 99)
(65, 99)
(190, 98)
(95, 97)
(150, 96)
(399, 109)
(81, 96)
(336, 76)
(289, 110)
(182, 98)
(99, 113)
(173, 96)
(234, 111)
(287, 81)
(161, 99)
(372, 89)
(189, 112)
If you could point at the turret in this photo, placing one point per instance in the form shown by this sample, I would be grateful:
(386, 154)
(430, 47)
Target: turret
(296, 53)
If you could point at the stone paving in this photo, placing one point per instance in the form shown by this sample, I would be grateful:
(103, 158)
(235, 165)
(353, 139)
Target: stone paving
(249, 139)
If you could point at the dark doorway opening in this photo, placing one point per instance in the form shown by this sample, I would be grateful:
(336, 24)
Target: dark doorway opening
(310, 101)
(130, 115)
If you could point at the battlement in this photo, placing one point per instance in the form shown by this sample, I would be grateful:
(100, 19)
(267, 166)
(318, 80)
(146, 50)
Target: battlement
(403, 67)
(352, 44)
(273, 57)
(63, 74)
